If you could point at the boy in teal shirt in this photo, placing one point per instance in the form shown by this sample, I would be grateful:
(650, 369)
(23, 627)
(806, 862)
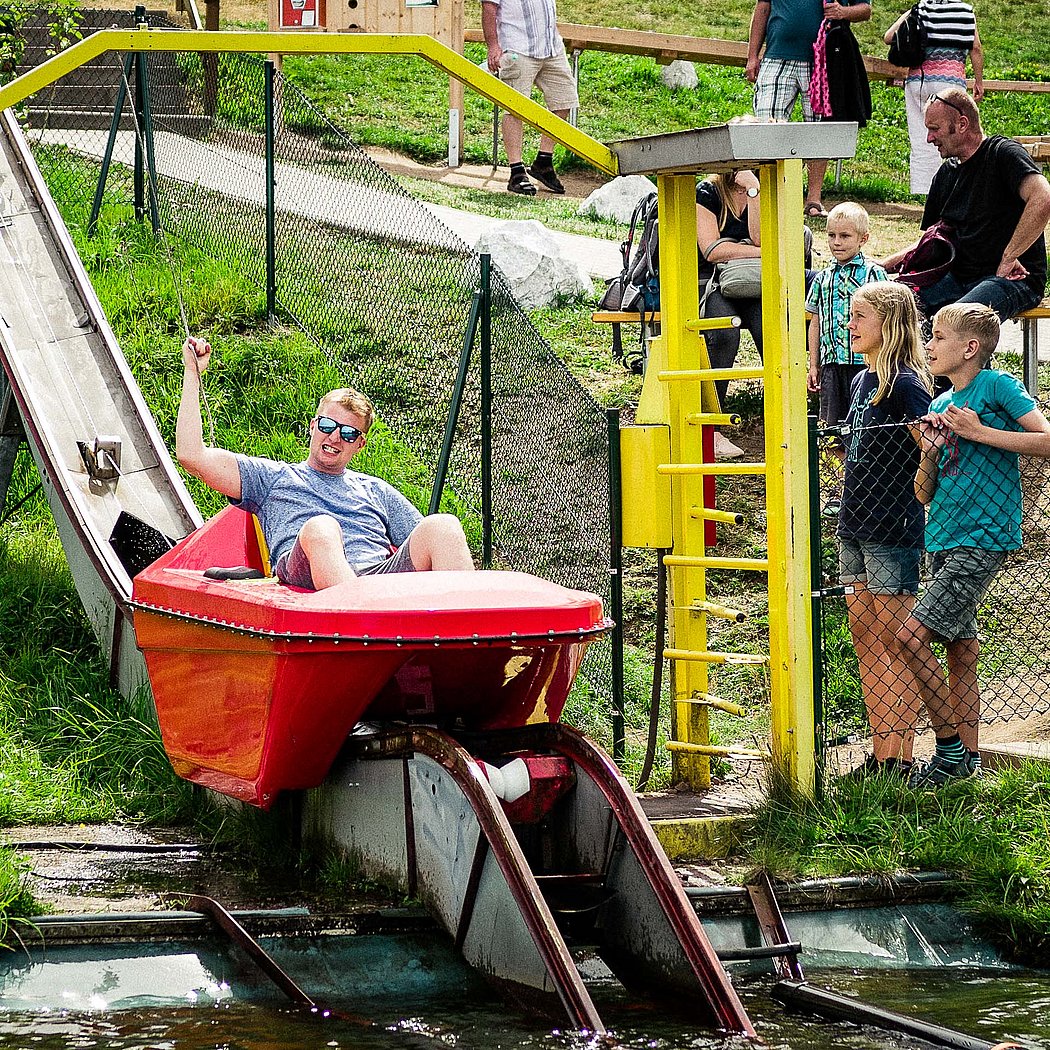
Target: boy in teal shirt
(969, 478)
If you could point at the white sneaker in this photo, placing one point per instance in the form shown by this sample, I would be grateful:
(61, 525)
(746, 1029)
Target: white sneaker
(725, 449)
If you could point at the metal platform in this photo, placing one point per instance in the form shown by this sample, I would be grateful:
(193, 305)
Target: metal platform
(727, 146)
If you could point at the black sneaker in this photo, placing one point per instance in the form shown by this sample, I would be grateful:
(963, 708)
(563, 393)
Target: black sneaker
(548, 178)
(938, 771)
(869, 767)
(872, 767)
(519, 183)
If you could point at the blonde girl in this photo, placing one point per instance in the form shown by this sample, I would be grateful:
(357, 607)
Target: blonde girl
(881, 523)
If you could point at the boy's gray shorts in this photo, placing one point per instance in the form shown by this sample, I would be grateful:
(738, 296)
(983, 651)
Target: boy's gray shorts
(958, 581)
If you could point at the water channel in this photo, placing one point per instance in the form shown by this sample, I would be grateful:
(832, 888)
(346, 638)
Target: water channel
(406, 991)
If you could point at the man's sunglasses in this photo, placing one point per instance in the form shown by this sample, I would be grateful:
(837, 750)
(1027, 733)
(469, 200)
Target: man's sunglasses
(947, 102)
(329, 426)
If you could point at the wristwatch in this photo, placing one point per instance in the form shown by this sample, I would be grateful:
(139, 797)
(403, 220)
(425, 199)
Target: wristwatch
(752, 191)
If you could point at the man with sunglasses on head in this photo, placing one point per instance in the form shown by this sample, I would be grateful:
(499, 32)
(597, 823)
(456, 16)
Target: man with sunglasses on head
(997, 203)
(324, 524)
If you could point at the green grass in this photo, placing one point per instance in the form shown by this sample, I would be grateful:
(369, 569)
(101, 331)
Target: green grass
(71, 748)
(401, 104)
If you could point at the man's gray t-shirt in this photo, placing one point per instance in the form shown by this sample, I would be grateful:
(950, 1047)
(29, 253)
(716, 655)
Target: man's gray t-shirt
(374, 516)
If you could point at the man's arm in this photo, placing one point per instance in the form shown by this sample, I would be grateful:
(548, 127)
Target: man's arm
(214, 466)
(1035, 192)
(892, 263)
(755, 39)
(488, 28)
(848, 12)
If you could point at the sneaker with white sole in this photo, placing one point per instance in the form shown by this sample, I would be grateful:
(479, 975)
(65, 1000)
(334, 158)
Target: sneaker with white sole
(939, 771)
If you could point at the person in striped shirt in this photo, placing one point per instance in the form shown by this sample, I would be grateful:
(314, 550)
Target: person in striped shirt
(952, 35)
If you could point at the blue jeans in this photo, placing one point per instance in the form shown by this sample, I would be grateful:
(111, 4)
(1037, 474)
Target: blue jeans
(1007, 298)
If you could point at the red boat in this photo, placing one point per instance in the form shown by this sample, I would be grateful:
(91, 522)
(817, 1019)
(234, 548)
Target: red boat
(257, 684)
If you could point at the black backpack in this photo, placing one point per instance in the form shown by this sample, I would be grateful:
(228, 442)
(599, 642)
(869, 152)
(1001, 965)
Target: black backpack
(908, 47)
(637, 286)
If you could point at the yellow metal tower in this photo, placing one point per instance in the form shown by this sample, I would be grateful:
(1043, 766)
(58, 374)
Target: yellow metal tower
(668, 458)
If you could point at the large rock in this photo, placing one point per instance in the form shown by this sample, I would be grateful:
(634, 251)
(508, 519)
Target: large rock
(617, 199)
(679, 75)
(536, 266)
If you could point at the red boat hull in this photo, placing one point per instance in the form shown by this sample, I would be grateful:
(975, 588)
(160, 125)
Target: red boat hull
(257, 685)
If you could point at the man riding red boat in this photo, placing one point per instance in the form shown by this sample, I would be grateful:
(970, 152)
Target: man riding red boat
(324, 524)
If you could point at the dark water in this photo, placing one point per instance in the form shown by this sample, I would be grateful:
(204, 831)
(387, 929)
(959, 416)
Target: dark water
(400, 993)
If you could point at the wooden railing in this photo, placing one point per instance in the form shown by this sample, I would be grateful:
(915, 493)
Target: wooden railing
(666, 48)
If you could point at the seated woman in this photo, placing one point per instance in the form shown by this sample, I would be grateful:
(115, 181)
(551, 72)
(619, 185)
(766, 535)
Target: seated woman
(727, 227)
(727, 214)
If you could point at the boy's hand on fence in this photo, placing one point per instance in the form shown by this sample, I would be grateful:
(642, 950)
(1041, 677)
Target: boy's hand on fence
(963, 421)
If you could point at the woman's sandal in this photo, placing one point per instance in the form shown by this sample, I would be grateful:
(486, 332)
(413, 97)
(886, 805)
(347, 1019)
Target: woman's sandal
(814, 210)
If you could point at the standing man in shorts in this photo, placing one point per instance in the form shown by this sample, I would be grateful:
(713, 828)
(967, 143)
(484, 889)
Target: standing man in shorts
(526, 49)
(789, 28)
(324, 524)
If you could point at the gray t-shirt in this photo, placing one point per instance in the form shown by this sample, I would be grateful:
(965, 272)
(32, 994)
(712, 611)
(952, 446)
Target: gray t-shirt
(374, 515)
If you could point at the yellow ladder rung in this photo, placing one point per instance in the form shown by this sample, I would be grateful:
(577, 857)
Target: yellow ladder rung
(718, 752)
(709, 374)
(708, 700)
(707, 656)
(713, 419)
(710, 514)
(713, 469)
(711, 324)
(701, 561)
(724, 612)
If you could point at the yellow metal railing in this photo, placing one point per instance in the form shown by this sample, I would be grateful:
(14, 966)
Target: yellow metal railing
(425, 47)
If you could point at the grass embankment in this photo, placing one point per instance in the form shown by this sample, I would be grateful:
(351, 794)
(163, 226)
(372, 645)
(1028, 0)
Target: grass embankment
(401, 104)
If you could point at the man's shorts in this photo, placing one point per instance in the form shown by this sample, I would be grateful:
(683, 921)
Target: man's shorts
(551, 75)
(293, 568)
(958, 581)
(781, 81)
(882, 568)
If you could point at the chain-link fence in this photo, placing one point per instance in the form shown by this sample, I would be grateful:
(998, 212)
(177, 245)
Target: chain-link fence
(986, 544)
(363, 268)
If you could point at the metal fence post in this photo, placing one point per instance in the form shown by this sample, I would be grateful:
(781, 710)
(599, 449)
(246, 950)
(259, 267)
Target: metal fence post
(486, 411)
(612, 418)
(271, 193)
(458, 390)
(816, 582)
